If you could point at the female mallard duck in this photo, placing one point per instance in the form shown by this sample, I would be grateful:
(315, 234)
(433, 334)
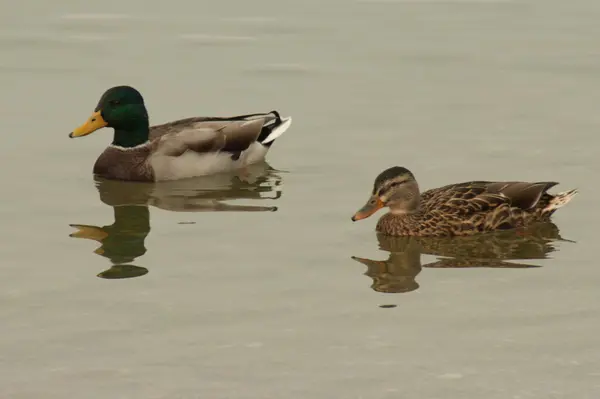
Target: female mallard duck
(458, 209)
(183, 148)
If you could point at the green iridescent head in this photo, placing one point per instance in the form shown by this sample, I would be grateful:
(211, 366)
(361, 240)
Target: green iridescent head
(123, 109)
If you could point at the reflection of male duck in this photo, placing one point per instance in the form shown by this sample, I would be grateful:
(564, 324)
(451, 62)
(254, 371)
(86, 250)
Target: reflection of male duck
(397, 273)
(123, 241)
(259, 181)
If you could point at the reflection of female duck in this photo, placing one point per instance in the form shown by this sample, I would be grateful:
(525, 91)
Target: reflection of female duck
(123, 241)
(397, 273)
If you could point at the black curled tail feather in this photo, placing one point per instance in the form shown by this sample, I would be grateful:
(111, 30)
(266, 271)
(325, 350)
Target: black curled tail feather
(268, 128)
(272, 121)
(276, 115)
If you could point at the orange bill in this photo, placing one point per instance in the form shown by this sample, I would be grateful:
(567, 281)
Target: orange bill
(88, 232)
(93, 123)
(373, 205)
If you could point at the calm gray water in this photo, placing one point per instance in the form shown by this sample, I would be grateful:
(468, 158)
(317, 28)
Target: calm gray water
(227, 298)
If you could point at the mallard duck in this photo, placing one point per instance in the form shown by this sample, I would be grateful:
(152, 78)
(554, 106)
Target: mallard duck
(458, 209)
(180, 149)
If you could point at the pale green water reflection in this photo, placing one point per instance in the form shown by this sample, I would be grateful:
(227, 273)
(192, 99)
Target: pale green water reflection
(123, 241)
(398, 273)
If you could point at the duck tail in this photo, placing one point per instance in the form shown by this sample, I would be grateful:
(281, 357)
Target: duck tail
(559, 200)
(274, 128)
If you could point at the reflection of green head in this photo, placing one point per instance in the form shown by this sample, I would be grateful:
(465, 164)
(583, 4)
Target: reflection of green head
(125, 240)
(123, 271)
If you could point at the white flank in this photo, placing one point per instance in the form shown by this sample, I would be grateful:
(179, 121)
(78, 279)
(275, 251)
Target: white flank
(192, 164)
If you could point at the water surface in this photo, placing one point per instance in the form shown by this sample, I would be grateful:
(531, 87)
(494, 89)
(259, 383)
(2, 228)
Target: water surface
(204, 290)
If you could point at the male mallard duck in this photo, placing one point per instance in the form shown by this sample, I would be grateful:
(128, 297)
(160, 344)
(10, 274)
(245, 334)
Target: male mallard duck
(179, 149)
(458, 209)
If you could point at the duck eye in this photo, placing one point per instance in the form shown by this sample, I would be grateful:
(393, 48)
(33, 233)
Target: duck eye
(372, 202)
(114, 102)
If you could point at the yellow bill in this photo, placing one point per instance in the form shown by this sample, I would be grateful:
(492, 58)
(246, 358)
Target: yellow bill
(93, 123)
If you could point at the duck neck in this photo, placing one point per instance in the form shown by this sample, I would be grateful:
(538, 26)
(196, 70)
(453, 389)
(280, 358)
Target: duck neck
(414, 213)
(398, 224)
(131, 137)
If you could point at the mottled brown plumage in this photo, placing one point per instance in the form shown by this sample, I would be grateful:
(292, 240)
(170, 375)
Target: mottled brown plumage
(458, 209)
